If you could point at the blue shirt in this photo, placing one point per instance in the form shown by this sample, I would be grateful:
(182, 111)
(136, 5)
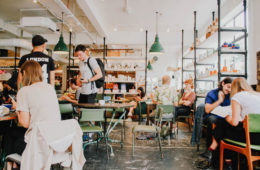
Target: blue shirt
(212, 97)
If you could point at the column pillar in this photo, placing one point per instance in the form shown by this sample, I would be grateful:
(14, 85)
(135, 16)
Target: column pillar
(253, 38)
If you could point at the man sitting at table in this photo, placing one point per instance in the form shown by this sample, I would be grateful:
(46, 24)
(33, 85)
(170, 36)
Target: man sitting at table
(214, 98)
(166, 95)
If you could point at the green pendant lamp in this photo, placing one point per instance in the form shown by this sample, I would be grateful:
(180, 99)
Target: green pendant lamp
(156, 48)
(149, 66)
(61, 47)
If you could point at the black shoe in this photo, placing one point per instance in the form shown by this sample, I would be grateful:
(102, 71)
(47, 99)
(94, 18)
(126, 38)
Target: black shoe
(207, 154)
(227, 166)
(203, 164)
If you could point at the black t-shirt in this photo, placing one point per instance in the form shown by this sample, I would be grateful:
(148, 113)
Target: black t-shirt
(44, 60)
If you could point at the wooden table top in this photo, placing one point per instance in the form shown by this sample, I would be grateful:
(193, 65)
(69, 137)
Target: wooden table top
(106, 105)
(10, 116)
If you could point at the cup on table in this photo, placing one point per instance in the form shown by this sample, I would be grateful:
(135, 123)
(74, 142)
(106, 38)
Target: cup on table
(101, 102)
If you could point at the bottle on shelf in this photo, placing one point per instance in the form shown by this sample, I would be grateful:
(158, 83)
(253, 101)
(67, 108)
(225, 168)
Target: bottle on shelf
(224, 69)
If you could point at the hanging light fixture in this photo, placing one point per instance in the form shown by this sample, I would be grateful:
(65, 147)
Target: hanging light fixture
(156, 48)
(149, 66)
(61, 47)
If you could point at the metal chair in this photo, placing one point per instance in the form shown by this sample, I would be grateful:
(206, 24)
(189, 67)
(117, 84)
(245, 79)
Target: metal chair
(87, 117)
(66, 110)
(150, 129)
(251, 125)
(18, 158)
(189, 116)
(141, 110)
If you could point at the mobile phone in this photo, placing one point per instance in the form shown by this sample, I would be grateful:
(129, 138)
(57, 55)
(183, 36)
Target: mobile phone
(11, 97)
(81, 79)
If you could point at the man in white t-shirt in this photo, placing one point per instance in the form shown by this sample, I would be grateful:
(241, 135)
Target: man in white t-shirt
(88, 90)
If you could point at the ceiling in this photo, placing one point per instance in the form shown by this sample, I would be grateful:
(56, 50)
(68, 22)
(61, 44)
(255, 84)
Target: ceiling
(121, 21)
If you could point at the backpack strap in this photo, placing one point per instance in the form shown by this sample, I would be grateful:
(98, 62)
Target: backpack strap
(91, 70)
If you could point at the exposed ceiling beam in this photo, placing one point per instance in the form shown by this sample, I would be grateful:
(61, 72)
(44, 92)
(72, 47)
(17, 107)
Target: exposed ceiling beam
(67, 12)
(89, 9)
(13, 29)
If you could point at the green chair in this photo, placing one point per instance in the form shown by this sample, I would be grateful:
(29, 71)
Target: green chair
(141, 110)
(150, 129)
(251, 125)
(87, 117)
(190, 116)
(66, 110)
(166, 110)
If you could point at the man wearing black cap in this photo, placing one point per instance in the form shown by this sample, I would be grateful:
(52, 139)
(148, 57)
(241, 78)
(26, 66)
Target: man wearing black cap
(46, 62)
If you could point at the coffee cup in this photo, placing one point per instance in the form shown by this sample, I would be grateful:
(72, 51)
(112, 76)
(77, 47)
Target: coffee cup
(101, 102)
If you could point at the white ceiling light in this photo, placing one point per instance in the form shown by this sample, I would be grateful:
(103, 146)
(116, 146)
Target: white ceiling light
(141, 30)
(168, 30)
(35, 1)
(115, 29)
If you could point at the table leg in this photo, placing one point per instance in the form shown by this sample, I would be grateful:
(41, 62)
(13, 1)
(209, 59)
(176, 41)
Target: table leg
(109, 130)
(105, 124)
(148, 113)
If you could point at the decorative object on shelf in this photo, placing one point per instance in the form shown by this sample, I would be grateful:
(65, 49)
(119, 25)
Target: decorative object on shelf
(149, 66)
(230, 46)
(61, 47)
(156, 48)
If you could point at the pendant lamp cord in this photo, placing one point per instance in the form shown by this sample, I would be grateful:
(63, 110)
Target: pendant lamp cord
(156, 22)
(62, 22)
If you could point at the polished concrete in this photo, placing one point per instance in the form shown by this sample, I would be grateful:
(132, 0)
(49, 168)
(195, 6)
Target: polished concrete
(178, 154)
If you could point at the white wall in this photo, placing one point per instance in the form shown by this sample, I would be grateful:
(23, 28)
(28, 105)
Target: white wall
(253, 38)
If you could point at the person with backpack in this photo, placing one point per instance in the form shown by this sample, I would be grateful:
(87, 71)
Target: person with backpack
(91, 76)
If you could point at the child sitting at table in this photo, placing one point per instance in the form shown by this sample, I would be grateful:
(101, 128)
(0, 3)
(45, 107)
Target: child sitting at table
(73, 95)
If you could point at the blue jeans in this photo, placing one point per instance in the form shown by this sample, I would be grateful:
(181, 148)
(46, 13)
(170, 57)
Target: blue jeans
(200, 118)
(197, 125)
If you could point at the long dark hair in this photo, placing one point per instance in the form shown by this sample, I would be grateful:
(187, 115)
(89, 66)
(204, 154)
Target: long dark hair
(226, 81)
(142, 92)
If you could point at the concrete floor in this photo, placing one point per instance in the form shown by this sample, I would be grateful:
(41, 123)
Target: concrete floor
(178, 154)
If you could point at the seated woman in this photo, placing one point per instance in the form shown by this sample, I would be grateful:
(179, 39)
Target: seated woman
(244, 100)
(140, 97)
(186, 100)
(36, 102)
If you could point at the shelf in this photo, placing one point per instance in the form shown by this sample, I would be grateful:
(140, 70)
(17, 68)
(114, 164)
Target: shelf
(232, 29)
(122, 58)
(10, 58)
(212, 41)
(125, 70)
(211, 59)
(115, 81)
(188, 70)
(8, 68)
(208, 78)
(227, 74)
(201, 95)
(120, 93)
(232, 51)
